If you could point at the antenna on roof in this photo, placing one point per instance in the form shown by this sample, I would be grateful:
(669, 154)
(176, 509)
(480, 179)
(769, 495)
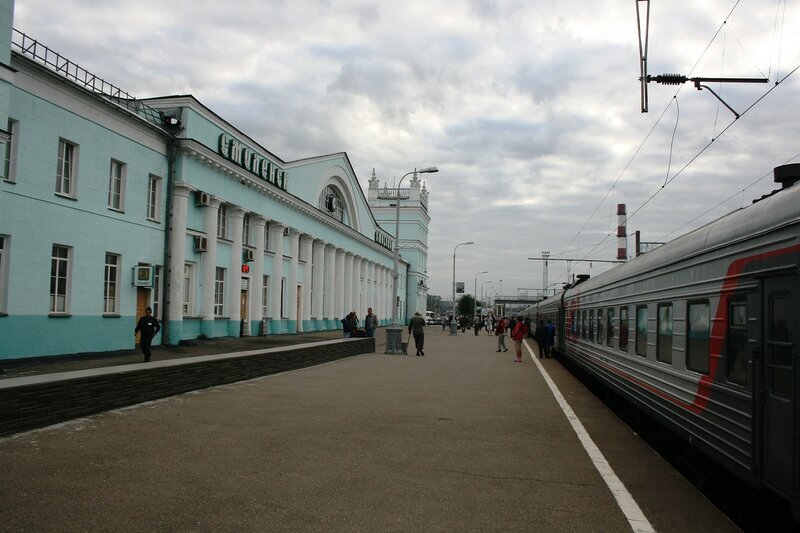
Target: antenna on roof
(674, 79)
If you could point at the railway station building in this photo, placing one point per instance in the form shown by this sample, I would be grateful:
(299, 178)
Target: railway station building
(110, 204)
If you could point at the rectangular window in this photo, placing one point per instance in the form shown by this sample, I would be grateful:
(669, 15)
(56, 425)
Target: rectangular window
(246, 229)
(59, 279)
(664, 336)
(265, 297)
(736, 352)
(111, 285)
(698, 336)
(219, 292)
(266, 237)
(188, 289)
(222, 221)
(780, 350)
(65, 173)
(4, 250)
(283, 297)
(600, 326)
(116, 185)
(154, 198)
(623, 329)
(591, 325)
(610, 326)
(584, 325)
(641, 330)
(10, 152)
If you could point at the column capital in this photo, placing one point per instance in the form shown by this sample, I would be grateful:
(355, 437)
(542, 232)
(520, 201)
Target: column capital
(181, 188)
(258, 220)
(238, 211)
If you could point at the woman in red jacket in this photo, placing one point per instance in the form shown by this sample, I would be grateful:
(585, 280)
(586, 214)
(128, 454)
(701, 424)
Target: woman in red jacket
(519, 333)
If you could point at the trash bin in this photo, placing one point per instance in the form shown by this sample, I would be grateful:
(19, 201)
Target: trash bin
(404, 347)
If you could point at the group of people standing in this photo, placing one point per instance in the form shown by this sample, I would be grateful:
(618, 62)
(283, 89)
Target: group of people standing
(519, 328)
(350, 325)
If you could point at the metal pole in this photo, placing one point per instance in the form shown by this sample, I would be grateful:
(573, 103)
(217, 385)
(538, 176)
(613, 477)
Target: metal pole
(475, 294)
(393, 332)
(453, 328)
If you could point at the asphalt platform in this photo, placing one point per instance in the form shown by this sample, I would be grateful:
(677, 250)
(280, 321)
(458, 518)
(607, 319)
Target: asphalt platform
(462, 439)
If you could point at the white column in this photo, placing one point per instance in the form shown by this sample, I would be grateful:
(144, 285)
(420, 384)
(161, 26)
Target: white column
(370, 284)
(317, 300)
(177, 236)
(356, 288)
(291, 290)
(348, 283)
(276, 242)
(307, 243)
(257, 270)
(209, 262)
(233, 283)
(339, 284)
(330, 259)
(382, 294)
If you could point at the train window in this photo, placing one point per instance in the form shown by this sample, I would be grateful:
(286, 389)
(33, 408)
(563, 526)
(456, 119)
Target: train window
(584, 325)
(591, 325)
(623, 329)
(664, 337)
(573, 328)
(641, 330)
(698, 335)
(610, 326)
(736, 355)
(599, 326)
(779, 347)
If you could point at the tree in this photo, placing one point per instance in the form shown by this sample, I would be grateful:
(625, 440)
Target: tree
(465, 305)
(435, 304)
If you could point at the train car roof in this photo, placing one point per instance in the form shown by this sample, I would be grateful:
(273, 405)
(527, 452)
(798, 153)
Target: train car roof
(772, 212)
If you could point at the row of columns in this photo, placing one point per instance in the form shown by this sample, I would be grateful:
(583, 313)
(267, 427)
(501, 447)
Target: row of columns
(335, 281)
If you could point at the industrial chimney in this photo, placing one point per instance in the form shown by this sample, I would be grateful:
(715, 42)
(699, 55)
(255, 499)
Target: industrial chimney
(622, 233)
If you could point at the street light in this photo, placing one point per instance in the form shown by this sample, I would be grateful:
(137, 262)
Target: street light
(475, 294)
(453, 329)
(394, 332)
(483, 284)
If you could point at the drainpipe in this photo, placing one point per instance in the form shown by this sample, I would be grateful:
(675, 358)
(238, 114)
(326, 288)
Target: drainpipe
(166, 274)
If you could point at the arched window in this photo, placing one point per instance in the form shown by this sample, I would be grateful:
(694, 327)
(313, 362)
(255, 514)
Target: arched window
(331, 203)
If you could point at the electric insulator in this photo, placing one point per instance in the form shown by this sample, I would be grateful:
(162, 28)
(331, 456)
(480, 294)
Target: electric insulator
(669, 79)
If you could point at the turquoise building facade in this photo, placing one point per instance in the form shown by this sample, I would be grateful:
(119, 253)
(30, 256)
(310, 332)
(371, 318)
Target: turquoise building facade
(110, 204)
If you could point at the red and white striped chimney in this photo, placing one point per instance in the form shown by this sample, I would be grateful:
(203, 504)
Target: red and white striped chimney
(622, 233)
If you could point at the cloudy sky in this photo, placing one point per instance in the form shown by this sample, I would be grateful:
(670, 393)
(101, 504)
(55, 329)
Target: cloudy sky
(530, 108)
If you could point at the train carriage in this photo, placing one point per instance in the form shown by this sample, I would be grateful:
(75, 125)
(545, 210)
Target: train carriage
(702, 334)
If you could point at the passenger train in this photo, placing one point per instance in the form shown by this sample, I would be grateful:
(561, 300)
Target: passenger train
(702, 335)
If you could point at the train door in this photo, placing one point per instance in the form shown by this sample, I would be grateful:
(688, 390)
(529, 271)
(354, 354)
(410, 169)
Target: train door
(781, 331)
(142, 301)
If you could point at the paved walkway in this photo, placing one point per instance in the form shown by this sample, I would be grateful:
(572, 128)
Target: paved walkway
(462, 439)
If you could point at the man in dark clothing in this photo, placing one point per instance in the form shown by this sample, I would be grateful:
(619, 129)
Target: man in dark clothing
(149, 328)
(551, 337)
(370, 323)
(540, 335)
(415, 327)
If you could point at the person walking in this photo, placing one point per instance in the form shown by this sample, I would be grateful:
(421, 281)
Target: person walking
(415, 327)
(518, 335)
(370, 323)
(347, 326)
(476, 324)
(149, 327)
(540, 335)
(500, 331)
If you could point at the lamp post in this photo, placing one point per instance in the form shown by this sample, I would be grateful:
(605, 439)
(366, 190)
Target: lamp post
(483, 284)
(394, 332)
(453, 328)
(475, 294)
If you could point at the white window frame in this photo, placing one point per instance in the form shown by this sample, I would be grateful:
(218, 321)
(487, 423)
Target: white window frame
(187, 305)
(5, 248)
(266, 237)
(117, 175)
(111, 284)
(246, 229)
(222, 221)
(219, 292)
(154, 198)
(156, 293)
(56, 263)
(10, 152)
(67, 169)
